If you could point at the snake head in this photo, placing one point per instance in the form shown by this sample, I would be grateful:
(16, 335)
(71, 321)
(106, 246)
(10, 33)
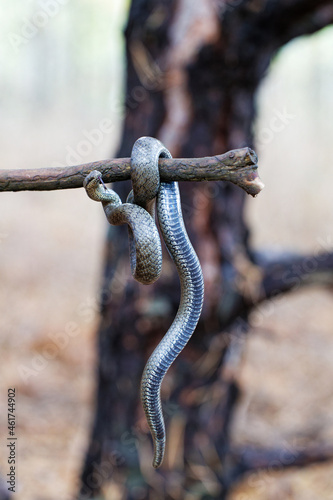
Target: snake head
(92, 181)
(97, 190)
(94, 185)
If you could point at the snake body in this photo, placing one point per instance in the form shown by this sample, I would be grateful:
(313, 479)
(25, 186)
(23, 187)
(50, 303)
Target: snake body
(145, 245)
(145, 155)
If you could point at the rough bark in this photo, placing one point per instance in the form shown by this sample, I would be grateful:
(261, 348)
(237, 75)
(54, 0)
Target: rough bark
(238, 166)
(193, 70)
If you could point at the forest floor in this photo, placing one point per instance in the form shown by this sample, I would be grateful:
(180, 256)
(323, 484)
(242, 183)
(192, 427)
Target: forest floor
(52, 252)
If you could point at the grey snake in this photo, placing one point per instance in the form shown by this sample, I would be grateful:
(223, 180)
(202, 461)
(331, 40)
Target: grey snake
(146, 261)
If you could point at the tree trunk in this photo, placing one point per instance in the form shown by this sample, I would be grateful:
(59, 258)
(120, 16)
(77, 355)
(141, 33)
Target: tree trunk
(193, 69)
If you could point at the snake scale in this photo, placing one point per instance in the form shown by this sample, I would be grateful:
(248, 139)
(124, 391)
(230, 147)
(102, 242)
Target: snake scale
(146, 261)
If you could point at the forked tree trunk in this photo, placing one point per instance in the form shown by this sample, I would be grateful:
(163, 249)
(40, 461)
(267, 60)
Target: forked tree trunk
(193, 69)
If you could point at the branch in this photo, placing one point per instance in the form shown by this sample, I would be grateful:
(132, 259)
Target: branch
(287, 19)
(299, 17)
(291, 273)
(238, 166)
(282, 273)
(250, 459)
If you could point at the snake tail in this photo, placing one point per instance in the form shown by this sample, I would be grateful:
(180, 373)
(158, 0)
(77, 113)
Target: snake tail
(185, 322)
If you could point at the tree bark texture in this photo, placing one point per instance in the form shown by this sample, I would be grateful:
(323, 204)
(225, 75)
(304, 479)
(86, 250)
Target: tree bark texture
(193, 69)
(238, 166)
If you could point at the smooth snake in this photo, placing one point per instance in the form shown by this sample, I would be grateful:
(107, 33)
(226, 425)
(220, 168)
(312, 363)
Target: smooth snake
(146, 263)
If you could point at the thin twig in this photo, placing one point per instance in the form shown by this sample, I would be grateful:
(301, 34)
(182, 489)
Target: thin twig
(238, 166)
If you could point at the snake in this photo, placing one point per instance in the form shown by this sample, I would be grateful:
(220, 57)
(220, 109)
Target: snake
(146, 258)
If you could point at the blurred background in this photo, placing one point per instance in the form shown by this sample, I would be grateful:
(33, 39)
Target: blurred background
(58, 82)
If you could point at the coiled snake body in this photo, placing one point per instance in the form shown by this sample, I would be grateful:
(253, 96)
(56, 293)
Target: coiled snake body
(146, 259)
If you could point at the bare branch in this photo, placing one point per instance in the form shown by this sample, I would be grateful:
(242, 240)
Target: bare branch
(252, 459)
(293, 272)
(284, 20)
(238, 166)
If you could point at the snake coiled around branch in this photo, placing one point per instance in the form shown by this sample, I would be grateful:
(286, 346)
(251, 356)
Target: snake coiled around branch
(146, 258)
